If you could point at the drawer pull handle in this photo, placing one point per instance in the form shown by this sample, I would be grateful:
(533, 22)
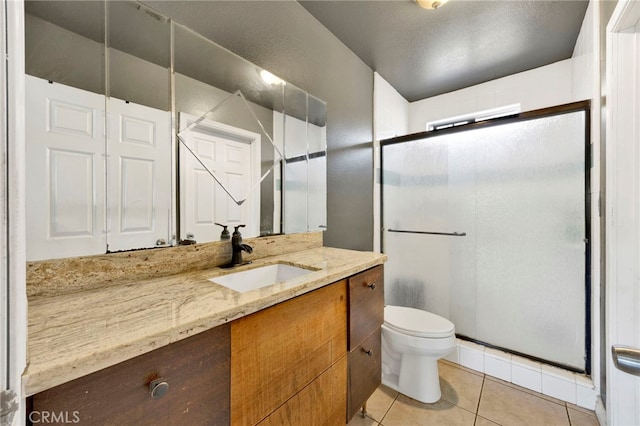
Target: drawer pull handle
(369, 352)
(372, 286)
(158, 388)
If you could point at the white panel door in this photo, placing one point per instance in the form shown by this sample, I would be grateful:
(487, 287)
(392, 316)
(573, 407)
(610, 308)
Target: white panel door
(65, 175)
(204, 201)
(139, 176)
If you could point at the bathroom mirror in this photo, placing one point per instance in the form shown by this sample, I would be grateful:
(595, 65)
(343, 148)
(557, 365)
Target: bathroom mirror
(65, 129)
(225, 110)
(139, 136)
(317, 165)
(157, 94)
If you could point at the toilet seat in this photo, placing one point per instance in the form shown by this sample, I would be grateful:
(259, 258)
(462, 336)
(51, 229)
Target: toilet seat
(416, 322)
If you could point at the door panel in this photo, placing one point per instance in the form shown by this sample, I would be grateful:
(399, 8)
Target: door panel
(206, 200)
(139, 170)
(136, 195)
(71, 193)
(65, 181)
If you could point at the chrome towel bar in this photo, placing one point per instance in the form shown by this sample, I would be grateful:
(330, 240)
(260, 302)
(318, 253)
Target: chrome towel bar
(450, 234)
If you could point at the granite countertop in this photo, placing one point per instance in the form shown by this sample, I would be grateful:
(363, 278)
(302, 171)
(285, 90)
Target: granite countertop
(72, 335)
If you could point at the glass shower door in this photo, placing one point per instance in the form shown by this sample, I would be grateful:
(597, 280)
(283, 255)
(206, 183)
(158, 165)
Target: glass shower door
(487, 227)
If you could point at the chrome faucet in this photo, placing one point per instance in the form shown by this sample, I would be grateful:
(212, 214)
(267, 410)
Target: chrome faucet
(238, 247)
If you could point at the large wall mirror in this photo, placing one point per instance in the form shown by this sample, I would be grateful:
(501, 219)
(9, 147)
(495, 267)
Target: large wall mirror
(141, 133)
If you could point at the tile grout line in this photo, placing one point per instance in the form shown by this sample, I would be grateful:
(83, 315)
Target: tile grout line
(388, 409)
(479, 399)
(566, 409)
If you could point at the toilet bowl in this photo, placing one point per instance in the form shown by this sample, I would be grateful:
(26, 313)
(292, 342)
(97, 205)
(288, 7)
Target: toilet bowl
(412, 342)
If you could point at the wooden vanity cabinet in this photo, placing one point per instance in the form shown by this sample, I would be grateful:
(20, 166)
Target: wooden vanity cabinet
(288, 362)
(311, 360)
(366, 315)
(196, 370)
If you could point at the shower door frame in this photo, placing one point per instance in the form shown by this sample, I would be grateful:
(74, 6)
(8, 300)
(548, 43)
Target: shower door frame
(584, 106)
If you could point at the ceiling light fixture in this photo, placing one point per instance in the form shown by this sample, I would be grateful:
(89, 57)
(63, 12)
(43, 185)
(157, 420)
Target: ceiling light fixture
(271, 79)
(430, 4)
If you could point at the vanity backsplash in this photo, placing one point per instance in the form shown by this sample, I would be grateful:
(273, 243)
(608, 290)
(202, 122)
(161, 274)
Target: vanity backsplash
(46, 278)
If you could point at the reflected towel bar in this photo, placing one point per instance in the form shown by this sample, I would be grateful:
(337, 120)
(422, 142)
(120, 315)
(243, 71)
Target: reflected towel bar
(451, 234)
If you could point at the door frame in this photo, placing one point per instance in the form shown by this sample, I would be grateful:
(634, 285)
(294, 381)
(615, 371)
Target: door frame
(12, 217)
(623, 206)
(254, 140)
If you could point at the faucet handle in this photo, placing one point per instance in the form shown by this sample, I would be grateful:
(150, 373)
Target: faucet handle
(239, 226)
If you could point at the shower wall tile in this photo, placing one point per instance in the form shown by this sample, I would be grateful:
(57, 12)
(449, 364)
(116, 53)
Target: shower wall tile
(586, 395)
(471, 356)
(497, 364)
(558, 383)
(526, 373)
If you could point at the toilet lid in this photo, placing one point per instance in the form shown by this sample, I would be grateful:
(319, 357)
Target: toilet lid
(416, 322)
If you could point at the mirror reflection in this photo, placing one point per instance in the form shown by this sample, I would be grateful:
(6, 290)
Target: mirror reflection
(65, 130)
(225, 112)
(146, 134)
(139, 154)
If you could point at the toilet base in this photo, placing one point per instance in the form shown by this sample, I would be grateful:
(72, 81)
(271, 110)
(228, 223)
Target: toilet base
(418, 383)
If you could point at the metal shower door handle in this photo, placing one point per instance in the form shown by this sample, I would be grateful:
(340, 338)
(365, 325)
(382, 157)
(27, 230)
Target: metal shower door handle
(626, 359)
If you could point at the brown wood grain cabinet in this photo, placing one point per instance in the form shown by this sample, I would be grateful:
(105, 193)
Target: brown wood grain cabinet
(366, 315)
(321, 403)
(196, 370)
(284, 355)
(311, 360)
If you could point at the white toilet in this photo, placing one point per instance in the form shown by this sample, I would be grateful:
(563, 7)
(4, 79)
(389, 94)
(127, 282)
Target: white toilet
(412, 342)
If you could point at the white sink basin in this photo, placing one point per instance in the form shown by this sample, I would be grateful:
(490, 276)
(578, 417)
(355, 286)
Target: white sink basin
(262, 276)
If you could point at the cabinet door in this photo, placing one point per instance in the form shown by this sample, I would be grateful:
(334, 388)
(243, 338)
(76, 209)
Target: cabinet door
(321, 403)
(366, 304)
(278, 351)
(365, 369)
(196, 369)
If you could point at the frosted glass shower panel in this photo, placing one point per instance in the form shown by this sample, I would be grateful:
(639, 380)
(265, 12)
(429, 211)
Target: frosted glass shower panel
(530, 225)
(317, 193)
(415, 177)
(462, 153)
(416, 195)
(516, 191)
(295, 197)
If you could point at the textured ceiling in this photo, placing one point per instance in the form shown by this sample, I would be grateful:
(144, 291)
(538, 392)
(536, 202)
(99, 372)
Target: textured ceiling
(423, 53)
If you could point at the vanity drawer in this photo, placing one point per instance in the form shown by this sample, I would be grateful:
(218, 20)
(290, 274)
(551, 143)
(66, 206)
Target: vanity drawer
(366, 304)
(365, 370)
(196, 370)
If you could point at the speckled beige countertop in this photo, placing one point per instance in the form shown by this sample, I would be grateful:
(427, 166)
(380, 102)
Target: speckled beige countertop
(72, 335)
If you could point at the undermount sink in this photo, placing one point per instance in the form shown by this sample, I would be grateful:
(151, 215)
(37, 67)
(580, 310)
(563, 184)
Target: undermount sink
(259, 277)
